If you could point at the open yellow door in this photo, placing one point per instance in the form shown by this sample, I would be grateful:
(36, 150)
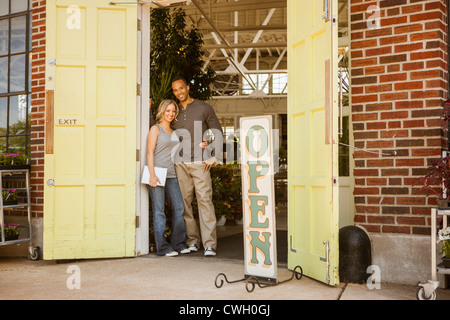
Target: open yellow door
(313, 215)
(90, 160)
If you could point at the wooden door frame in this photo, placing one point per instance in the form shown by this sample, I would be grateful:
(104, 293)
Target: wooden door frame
(143, 113)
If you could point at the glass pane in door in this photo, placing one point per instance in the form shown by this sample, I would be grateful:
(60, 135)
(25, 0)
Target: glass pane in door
(17, 73)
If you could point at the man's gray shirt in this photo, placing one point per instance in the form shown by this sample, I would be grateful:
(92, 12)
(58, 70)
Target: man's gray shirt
(196, 119)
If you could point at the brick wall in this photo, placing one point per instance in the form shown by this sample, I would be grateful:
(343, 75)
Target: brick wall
(399, 81)
(38, 108)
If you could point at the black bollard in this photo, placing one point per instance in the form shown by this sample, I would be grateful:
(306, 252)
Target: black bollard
(355, 255)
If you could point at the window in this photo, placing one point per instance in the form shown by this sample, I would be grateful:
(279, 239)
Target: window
(275, 83)
(279, 83)
(15, 75)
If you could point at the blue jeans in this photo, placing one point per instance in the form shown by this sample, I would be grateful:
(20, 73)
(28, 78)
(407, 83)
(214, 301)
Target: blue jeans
(171, 192)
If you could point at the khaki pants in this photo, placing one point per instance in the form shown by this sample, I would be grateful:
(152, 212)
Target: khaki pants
(191, 176)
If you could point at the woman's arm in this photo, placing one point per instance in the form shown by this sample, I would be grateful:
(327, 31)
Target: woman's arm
(151, 144)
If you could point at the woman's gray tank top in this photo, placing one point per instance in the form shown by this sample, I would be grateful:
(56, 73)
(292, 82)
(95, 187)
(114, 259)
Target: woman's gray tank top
(166, 147)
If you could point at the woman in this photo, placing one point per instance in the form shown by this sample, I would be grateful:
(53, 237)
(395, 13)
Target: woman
(162, 143)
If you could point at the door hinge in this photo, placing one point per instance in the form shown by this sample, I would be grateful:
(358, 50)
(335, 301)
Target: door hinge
(327, 259)
(326, 10)
(138, 222)
(138, 89)
(138, 154)
(138, 25)
(290, 244)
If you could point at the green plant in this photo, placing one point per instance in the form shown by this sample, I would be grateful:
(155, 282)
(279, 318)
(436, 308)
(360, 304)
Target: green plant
(176, 50)
(161, 88)
(9, 194)
(227, 195)
(444, 236)
(8, 159)
(11, 230)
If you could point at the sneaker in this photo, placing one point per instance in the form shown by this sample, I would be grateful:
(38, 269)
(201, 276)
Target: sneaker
(185, 251)
(172, 254)
(193, 247)
(210, 251)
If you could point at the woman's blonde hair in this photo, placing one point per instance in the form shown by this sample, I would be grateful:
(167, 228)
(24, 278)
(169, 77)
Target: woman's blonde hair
(162, 108)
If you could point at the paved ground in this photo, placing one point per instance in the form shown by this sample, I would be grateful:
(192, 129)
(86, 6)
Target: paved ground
(162, 278)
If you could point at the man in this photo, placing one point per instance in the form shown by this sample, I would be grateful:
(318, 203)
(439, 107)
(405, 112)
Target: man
(194, 118)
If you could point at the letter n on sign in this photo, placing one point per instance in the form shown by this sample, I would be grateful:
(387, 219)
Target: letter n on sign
(258, 200)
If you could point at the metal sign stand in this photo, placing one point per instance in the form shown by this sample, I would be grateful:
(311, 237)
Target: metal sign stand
(252, 281)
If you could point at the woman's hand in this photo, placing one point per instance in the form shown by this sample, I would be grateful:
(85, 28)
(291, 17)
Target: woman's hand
(153, 182)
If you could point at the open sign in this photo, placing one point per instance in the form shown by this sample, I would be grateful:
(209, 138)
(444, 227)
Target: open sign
(257, 169)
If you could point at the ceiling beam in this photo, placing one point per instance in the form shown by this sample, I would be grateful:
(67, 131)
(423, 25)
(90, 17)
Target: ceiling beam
(278, 27)
(241, 5)
(247, 45)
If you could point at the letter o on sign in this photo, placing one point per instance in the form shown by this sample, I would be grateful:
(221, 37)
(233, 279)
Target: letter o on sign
(263, 139)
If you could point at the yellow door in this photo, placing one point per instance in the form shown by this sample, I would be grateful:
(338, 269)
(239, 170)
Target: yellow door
(313, 139)
(90, 160)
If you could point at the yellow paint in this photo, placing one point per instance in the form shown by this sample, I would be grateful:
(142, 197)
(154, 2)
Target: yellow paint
(313, 198)
(90, 211)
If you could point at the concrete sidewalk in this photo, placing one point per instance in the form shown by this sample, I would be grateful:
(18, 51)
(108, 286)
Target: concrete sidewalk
(178, 278)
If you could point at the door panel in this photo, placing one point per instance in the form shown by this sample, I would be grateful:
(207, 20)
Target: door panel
(90, 207)
(312, 144)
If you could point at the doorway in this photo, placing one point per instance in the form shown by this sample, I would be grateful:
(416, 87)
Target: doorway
(343, 123)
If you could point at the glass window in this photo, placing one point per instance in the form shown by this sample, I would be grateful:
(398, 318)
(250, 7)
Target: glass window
(4, 37)
(19, 6)
(264, 81)
(17, 144)
(4, 7)
(15, 71)
(279, 83)
(17, 115)
(18, 34)
(3, 116)
(2, 143)
(4, 75)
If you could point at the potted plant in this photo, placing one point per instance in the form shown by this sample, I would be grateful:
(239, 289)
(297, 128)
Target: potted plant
(13, 161)
(444, 236)
(11, 232)
(9, 196)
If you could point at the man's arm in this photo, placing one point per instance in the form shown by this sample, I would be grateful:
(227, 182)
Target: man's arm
(212, 123)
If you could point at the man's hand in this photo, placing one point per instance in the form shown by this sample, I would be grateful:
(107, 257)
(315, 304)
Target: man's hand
(203, 144)
(209, 163)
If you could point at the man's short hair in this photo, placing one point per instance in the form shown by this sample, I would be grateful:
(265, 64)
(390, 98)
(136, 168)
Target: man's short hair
(180, 78)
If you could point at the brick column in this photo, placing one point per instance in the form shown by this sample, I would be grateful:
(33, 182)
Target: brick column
(399, 81)
(38, 107)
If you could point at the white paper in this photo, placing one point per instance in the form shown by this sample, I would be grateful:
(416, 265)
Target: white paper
(161, 173)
